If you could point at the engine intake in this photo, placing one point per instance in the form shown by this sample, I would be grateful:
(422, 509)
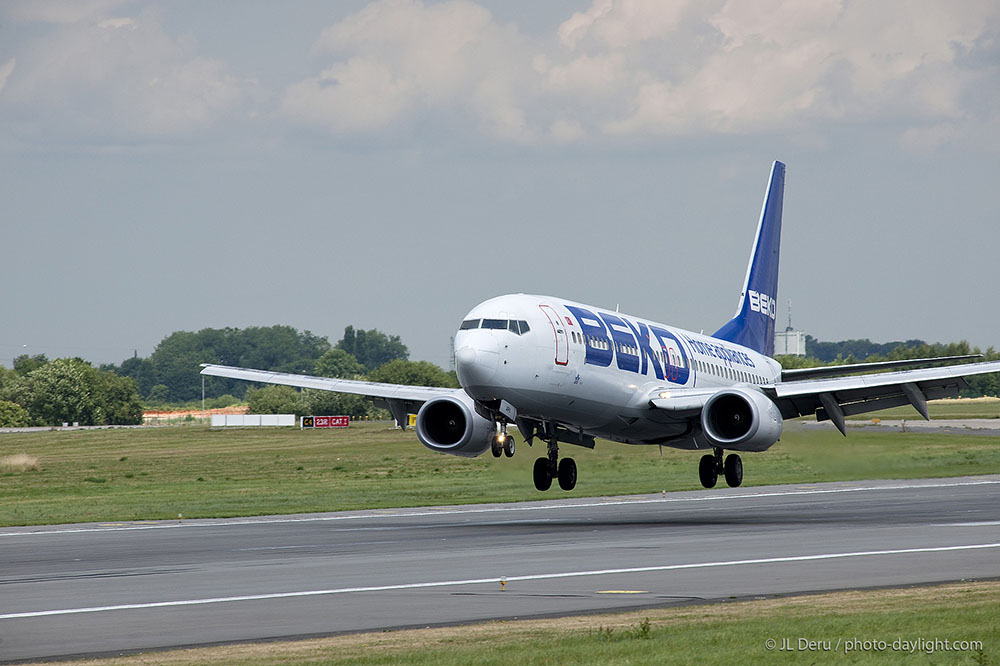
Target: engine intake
(451, 425)
(741, 420)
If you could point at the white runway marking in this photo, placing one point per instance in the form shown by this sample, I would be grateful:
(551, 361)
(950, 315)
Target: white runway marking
(479, 581)
(470, 509)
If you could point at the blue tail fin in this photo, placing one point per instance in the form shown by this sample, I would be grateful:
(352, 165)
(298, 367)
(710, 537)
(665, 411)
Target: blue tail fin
(753, 325)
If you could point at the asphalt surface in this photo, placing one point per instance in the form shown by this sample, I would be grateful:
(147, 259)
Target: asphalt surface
(99, 589)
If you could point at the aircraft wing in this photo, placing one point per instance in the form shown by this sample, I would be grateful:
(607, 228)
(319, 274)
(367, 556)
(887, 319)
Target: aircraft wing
(794, 374)
(397, 398)
(833, 399)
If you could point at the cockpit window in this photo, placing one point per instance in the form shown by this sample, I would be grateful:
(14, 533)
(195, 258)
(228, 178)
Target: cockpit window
(516, 326)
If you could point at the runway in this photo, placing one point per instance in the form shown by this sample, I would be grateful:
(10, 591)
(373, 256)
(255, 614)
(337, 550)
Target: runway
(91, 589)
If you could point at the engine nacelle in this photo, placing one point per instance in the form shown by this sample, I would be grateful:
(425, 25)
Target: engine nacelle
(741, 420)
(451, 425)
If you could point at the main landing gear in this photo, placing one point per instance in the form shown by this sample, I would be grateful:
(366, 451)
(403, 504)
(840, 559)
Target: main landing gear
(551, 467)
(712, 465)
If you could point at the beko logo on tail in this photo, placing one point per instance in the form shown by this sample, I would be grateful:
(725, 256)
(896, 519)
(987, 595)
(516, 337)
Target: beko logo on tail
(762, 303)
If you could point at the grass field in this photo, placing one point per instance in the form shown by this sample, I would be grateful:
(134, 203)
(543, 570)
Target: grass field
(834, 627)
(158, 473)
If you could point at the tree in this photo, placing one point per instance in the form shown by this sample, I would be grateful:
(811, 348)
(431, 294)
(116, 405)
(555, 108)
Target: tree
(274, 399)
(24, 364)
(70, 390)
(372, 348)
(338, 363)
(13, 415)
(413, 373)
(119, 398)
(141, 370)
(158, 394)
(175, 363)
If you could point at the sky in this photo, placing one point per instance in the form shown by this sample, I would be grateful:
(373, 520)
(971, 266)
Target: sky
(183, 165)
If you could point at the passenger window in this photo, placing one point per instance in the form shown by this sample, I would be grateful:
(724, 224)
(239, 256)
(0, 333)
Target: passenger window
(469, 323)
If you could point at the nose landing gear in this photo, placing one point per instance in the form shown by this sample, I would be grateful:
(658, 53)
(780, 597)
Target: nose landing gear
(502, 444)
(712, 465)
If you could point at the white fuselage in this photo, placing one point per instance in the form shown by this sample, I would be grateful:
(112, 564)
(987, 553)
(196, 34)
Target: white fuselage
(592, 370)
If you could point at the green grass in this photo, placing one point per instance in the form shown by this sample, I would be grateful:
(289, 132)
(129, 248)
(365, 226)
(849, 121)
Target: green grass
(723, 634)
(158, 473)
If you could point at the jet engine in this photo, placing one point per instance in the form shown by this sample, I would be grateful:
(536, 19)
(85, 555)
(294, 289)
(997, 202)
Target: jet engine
(741, 420)
(450, 424)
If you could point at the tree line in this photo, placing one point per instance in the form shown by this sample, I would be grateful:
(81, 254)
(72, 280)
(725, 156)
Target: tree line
(38, 391)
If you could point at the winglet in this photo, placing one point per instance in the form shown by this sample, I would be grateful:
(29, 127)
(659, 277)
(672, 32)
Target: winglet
(753, 324)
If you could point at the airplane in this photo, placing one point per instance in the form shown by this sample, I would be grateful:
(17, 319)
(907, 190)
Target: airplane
(569, 373)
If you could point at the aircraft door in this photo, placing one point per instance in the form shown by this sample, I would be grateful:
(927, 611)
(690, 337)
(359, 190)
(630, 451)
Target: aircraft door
(562, 337)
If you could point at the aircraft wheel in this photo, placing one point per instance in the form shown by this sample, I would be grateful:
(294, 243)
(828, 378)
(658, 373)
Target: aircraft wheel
(508, 446)
(496, 448)
(567, 474)
(707, 472)
(542, 475)
(734, 470)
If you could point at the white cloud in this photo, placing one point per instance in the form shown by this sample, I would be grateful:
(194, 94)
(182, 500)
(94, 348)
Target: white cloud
(119, 76)
(57, 11)
(361, 94)
(788, 64)
(617, 70)
(5, 71)
(644, 67)
(618, 24)
(397, 59)
(121, 22)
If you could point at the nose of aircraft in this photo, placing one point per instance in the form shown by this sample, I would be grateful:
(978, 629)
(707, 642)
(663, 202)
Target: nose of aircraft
(476, 363)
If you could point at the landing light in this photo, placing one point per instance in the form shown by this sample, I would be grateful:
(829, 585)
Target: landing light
(666, 394)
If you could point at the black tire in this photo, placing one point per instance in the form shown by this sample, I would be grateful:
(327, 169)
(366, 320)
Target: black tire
(495, 448)
(706, 471)
(567, 474)
(508, 446)
(541, 474)
(734, 470)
